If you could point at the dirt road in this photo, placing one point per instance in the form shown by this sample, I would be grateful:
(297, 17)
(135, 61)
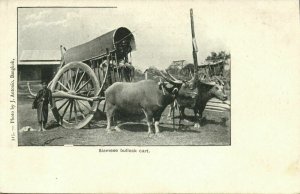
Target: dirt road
(215, 131)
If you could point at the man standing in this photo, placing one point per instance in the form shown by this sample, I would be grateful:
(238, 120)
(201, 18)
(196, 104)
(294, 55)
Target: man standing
(41, 101)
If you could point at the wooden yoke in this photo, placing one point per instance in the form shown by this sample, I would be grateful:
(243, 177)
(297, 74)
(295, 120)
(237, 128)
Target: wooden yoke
(62, 52)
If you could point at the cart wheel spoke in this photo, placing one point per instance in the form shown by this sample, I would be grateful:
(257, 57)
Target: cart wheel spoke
(75, 81)
(83, 85)
(66, 79)
(88, 108)
(72, 81)
(63, 104)
(75, 111)
(79, 82)
(79, 108)
(75, 78)
(66, 109)
(62, 85)
(70, 115)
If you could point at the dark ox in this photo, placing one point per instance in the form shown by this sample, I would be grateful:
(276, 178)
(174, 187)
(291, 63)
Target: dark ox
(145, 96)
(195, 95)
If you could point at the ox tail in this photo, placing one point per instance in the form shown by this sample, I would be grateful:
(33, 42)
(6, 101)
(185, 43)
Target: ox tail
(132, 74)
(175, 106)
(29, 89)
(174, 116)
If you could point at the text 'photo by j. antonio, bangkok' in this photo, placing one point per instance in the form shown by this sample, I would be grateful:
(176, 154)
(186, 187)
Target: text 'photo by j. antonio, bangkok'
(121, 76)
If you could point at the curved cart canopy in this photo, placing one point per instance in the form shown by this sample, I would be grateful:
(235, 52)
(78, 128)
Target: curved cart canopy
(97, 48)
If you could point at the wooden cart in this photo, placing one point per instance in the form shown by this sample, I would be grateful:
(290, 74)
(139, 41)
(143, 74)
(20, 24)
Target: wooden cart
(86, 71)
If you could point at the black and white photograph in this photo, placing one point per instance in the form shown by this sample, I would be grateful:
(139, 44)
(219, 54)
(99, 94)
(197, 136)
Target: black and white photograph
(150, 96)
(111, 78)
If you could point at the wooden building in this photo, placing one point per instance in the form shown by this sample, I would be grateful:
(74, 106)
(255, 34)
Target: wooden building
(38, 65)
(210, 68)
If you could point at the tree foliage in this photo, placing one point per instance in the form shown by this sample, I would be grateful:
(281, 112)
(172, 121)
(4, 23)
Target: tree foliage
(214, 57)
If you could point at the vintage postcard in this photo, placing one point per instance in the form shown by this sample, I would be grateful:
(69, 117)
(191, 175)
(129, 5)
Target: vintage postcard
(84, 89)
(150, 96)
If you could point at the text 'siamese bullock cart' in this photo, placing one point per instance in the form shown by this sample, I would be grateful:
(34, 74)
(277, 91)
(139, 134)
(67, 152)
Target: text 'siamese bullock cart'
(86, 71)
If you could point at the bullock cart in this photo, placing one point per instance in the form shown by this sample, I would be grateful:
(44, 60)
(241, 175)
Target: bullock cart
(86, 71)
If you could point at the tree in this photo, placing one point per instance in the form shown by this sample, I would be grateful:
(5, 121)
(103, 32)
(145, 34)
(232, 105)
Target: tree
(214, 57)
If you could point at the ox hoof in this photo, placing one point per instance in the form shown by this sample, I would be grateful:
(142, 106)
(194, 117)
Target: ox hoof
(118, 129)
(108, 131)
(150, 134)
(197, 125)
(159, 135)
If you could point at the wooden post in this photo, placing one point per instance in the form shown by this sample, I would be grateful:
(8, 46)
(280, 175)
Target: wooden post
(62, 56)
(108, 67)
(195, 48)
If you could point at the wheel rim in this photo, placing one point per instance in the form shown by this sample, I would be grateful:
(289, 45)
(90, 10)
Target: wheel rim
(77, 80)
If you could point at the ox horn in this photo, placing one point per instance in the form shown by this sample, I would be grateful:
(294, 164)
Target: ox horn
(29, 89)
(174, 78)
(169, 80)
(220, 81)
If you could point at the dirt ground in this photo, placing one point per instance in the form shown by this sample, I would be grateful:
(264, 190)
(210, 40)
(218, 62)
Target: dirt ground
(214, 131)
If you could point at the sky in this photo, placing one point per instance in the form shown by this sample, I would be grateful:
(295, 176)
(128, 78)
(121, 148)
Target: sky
(162, 29)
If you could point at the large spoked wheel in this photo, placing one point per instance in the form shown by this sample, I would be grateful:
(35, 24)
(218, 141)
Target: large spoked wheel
(75, 91)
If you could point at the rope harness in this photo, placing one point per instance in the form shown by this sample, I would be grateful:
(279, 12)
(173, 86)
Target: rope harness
(173, 91)
(162, 86)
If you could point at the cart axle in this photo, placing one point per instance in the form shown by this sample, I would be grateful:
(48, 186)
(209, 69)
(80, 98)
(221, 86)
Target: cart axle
(62, 94)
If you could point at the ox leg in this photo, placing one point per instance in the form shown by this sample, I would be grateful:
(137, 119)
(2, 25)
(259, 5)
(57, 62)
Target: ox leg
(149, 123)
(181, 110)
(110, 110)
(117, 127)
(156, 119)
(149, 117)
(170, 112)
(157, 132)
(201, 119)
(156, 124)
(181, 115)
(197, 120)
